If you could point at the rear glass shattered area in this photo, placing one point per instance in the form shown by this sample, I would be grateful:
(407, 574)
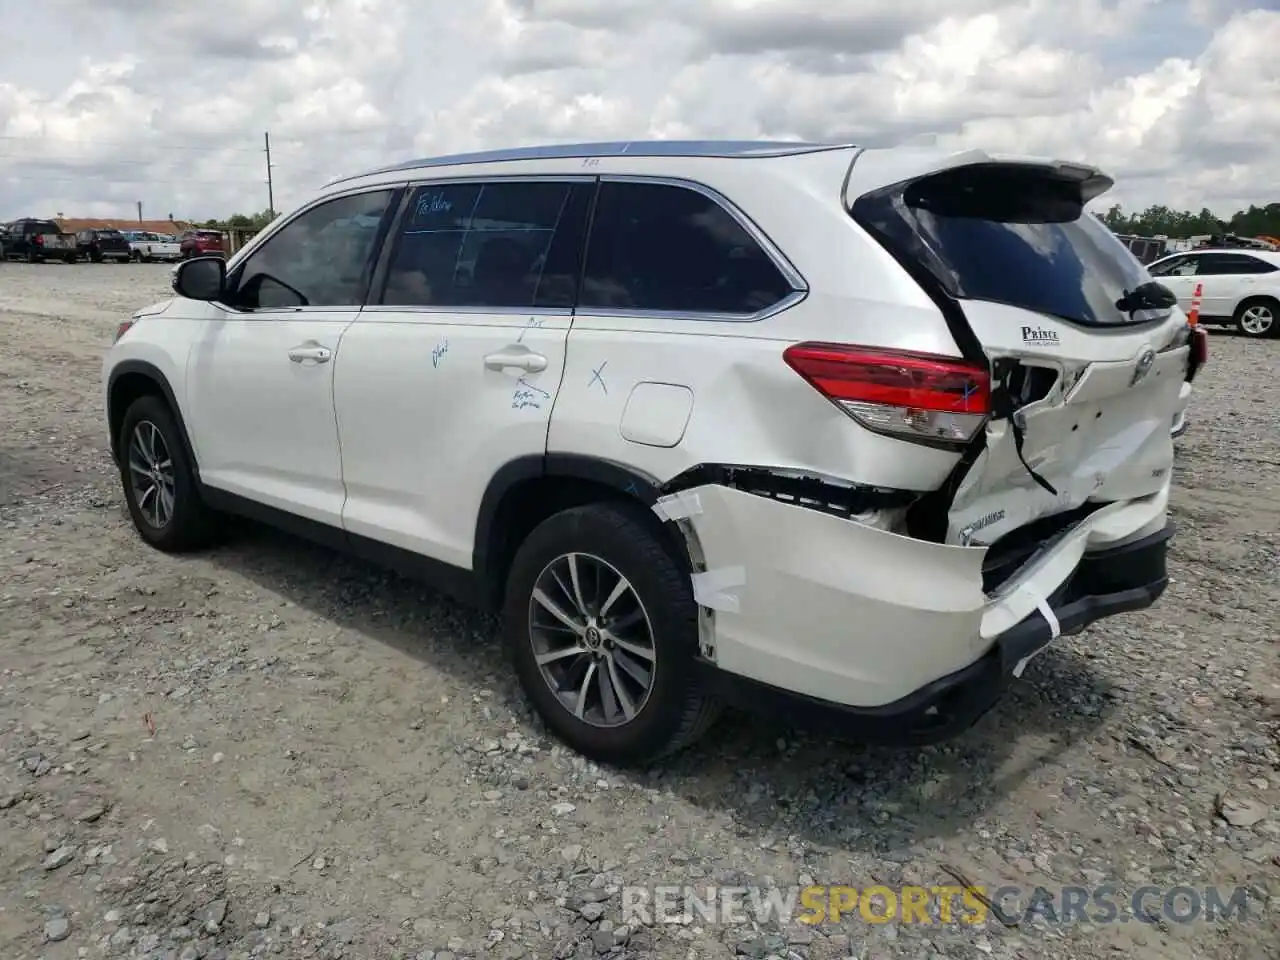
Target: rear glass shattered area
(1014, 237)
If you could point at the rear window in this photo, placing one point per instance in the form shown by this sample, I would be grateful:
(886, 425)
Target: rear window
(1010, 236)
(43, 226)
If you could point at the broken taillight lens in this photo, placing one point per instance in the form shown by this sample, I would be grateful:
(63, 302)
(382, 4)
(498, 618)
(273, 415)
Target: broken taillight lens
(914, 396)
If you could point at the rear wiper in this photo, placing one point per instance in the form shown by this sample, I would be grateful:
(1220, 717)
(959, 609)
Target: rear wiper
(1151, 295)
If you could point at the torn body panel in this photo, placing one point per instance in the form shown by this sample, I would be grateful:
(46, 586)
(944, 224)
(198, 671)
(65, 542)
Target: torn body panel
(842, 611)
(1096, 436)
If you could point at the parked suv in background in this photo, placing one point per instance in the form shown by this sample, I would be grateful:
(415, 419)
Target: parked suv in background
(850, 432)
(1238, 286)
(201, 243)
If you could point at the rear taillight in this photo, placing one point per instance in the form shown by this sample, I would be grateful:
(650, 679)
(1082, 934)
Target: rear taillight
(38, 240)
(123, 328)
(914, 396)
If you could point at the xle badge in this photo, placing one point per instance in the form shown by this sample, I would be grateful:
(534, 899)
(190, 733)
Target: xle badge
(1146, 360)
(1039, 336)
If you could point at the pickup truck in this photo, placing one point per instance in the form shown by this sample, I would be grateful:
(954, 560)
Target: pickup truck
(99, 245)
(145, 247)
(37, 240)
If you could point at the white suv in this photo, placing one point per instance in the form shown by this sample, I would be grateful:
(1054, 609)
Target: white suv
(844, 432)
(1237, 286)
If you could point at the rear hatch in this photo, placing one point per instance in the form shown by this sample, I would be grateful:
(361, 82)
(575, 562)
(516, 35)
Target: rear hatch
(1086, 355)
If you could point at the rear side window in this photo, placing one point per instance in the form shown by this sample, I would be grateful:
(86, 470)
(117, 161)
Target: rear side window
(660, 247)
(1229, 264)
(1008, 235)
(507, 245)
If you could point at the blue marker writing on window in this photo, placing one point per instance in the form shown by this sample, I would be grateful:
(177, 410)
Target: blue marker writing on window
(433, 203)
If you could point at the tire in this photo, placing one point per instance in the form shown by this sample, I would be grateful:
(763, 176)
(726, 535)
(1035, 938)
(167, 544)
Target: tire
(70, 258)
(189, 524)
(136, 257)
(95, 257)
(33, 257)
(615, 539)
(1258, 317)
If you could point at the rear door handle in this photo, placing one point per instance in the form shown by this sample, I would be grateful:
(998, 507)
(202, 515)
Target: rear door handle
(516, 357)
(310, 351)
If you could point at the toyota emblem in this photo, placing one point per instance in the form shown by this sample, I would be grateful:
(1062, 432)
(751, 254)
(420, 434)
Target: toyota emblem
(1146, 360)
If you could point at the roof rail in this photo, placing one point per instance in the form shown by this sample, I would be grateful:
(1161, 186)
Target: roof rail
(632, 148)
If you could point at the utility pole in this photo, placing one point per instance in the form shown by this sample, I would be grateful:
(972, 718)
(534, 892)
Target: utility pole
(271, 199)
(139, 211)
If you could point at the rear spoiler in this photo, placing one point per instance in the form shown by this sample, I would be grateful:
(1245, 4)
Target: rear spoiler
(877, 169)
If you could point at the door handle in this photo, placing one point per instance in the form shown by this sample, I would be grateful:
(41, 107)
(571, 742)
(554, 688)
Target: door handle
(311, 351)
(511, 359)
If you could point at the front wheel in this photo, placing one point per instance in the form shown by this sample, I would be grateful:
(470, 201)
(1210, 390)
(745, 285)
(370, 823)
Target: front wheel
(159, 482)
(1257, 317)
(602, 629)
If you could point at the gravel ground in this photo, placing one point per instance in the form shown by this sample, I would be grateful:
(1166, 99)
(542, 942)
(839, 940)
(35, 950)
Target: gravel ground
(271, 750)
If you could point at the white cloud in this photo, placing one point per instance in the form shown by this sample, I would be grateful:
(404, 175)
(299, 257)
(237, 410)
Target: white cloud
(107, 102)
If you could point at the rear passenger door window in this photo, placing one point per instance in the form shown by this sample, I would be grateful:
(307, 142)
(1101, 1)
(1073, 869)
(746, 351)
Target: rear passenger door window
(500, 246)
(665, 248)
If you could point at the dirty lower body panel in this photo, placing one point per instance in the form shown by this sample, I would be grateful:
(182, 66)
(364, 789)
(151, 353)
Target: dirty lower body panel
(889, 638)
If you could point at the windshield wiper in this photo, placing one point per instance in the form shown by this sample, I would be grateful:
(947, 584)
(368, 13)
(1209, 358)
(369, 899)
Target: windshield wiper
(1151, 295)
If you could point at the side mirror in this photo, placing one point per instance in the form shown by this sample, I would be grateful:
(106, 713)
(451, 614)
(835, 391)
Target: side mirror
(201, 278)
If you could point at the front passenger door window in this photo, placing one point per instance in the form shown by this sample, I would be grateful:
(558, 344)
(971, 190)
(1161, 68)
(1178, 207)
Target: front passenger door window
(322, 258)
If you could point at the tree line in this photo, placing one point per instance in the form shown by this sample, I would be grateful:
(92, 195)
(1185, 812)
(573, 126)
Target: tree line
(251, 222)
(1165, 221)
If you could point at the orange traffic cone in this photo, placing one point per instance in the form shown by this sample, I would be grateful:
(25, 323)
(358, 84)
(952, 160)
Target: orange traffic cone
(1194, 316)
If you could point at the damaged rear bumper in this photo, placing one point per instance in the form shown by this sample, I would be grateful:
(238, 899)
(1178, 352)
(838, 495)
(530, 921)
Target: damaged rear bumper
(890, 638)
(1119, 580)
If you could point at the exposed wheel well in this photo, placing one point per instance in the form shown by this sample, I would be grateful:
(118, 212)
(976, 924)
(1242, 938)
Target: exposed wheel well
(127, 388)
(531, 501)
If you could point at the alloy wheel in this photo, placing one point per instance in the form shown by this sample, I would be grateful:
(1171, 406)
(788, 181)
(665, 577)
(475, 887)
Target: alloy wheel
(151, 474)
(1257, 319)
(592, 639)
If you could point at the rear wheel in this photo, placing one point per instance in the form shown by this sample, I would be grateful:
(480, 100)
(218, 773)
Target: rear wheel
(602, 629)
(158, 479)
(1257, 317)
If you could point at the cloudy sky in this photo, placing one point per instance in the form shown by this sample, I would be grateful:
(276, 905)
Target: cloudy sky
(107, 102)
